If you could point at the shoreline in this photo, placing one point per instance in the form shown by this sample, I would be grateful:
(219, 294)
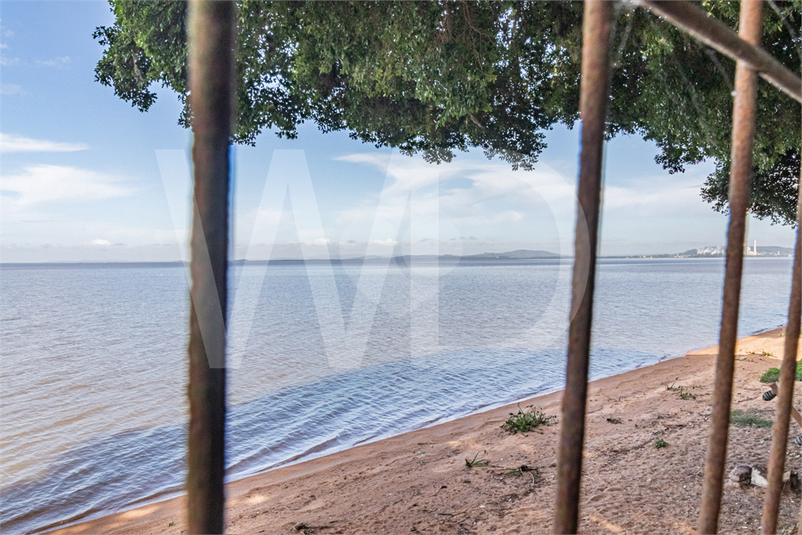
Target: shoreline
(418, 481)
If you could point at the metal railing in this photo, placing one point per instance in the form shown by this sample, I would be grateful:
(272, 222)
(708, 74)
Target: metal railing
(211, 74)
(751, 62)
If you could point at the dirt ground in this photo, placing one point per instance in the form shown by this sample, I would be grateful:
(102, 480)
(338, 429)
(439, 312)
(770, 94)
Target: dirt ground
(419, 482)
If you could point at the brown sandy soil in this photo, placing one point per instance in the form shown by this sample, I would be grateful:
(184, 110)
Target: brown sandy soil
(419, 483)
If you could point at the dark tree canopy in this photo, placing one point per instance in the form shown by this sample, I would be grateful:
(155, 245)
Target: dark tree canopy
(440, 77)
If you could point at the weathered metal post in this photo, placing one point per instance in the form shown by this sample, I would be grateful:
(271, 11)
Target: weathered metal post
(743, 136)
(211, 74)
(779, 438)
(596, 31)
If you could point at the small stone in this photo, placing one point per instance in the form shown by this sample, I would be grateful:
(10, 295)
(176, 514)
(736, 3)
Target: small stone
(742, 473)
(759, 476)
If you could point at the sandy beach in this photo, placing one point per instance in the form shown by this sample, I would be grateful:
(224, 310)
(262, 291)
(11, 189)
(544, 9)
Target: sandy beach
(419, 482)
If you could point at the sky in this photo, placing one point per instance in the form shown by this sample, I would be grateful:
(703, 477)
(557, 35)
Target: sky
(86, 177)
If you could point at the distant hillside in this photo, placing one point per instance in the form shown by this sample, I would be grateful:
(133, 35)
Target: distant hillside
(716, 251)
(520, 254)
(774, 250)
(705, 251)
(762, 250)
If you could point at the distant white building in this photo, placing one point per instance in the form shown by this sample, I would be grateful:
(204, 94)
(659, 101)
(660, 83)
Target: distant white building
(710, 251)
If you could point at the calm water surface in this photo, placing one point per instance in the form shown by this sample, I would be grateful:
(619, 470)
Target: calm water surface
(93, 360)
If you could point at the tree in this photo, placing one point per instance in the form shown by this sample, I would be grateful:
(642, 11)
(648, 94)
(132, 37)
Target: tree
(440, 77)
(774, 190)
(694, 122)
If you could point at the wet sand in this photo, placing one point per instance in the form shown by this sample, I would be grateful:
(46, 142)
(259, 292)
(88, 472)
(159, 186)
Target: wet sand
(419, 482)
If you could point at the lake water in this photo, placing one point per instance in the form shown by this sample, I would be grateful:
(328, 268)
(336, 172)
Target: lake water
(93, 360)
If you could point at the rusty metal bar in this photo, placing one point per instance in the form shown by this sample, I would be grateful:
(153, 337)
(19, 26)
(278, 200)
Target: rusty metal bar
(743, 137)
(779, 438)
(718, 35)
(211, 74)
(593, 103)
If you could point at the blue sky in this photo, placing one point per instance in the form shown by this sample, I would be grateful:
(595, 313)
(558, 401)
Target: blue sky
(81, 179)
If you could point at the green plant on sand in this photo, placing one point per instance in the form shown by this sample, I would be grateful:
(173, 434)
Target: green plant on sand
(660, 443)
(748, 418)
(525, 421)
(474, 463)
(772, 375)
(681, 390)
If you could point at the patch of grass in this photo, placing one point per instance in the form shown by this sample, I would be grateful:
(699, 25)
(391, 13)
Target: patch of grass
(476, 463)
(749, 418)
(660, 443)
(772, 375)
(525, 421)
(681, 389)
(614, 420)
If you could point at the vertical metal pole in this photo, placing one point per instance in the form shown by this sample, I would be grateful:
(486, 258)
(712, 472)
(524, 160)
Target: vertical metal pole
(779, 438)
(596, 30)
(211, 72)
(743, 134)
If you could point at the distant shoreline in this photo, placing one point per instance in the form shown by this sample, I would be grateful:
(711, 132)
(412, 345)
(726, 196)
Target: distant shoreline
(399, 260)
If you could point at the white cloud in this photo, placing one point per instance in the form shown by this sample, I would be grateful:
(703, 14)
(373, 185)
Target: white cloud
(11, 143)
(53, 183)
(11, 89)
(656, 195)
(100, 243)
(473, 196)
(6, 61)
(55, 62)
(407, 172)
(385, 243)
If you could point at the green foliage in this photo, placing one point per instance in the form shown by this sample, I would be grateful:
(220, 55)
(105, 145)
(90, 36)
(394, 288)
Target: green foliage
(672, 388)
(773, 189)
(525, 421)
(749, 418)
(772, 375)
(660, 443)
(681, 390)
(439, 77)
(476, 463)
